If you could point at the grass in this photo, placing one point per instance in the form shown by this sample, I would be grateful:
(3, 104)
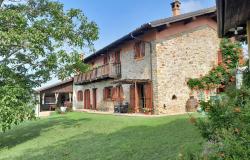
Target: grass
(79, 136)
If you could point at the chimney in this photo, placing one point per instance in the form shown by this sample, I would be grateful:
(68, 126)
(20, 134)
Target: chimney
(176, 4)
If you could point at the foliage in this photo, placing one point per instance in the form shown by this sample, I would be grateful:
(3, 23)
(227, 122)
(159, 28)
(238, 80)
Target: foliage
(38, 39)
(15, 106)
(227, 126)
(222, 74)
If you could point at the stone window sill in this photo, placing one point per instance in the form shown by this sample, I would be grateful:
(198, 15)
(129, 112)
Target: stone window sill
(139, 58)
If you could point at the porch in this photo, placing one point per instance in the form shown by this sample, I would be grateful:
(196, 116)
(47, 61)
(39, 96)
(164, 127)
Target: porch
(141, 99)
(55, 95)
(110, 70)
(50, 101)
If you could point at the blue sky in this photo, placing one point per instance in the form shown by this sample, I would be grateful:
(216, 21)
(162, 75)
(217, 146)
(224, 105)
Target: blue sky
(115, 18)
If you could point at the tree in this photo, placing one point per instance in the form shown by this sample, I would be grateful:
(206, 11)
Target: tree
(38, 39)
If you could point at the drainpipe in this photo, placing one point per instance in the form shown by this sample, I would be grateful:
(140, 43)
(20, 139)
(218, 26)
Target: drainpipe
(151, 66)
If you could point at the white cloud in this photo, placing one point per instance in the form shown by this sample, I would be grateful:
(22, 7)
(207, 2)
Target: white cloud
(191, 5)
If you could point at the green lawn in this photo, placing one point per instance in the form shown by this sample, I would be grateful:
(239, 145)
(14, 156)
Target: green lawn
(78, 136)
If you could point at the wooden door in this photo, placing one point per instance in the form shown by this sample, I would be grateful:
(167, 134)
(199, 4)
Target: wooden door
(148, 95)
(94, 98)
(87, 99)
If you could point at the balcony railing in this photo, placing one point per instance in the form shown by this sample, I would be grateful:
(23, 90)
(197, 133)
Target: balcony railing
(111, 70)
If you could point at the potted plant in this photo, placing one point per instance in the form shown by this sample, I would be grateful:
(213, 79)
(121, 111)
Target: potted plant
(146, 111)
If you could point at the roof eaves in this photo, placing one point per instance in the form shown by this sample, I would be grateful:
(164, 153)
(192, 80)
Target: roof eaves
(152, 24)
(182, 17)
(119, 41)
(220, 15)
(55, 85)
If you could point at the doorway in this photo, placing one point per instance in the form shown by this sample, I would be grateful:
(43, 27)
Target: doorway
(87, 99)
(141, 97)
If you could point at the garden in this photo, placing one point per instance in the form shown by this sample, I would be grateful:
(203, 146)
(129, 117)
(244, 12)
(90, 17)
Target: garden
(92, 136)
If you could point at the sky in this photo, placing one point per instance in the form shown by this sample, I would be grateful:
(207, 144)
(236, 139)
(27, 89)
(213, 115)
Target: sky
(116, 18)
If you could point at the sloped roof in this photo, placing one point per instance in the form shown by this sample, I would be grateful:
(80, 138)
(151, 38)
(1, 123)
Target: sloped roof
(55, 85)
(151, 25)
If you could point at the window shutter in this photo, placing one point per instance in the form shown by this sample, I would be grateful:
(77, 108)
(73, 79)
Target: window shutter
(114, 93)
(148, 95)
(121, 93)
(104, 93)
(117, 57)
(79, 96)
(142, 49)
(132, 97)
(137, 49)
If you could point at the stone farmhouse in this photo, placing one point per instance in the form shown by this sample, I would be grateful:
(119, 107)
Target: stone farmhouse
(148, 68)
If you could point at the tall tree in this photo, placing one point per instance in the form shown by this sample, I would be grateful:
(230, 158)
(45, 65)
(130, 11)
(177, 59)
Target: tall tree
(38, 39)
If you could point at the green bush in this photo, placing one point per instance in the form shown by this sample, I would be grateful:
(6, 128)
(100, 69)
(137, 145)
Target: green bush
(227, 125)
(222, 74)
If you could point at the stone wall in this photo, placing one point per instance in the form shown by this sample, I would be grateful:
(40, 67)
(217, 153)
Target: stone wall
(132, 68)
(101, 104)
(178, 58)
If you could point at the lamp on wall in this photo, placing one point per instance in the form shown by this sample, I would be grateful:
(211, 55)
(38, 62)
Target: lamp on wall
(236, 30)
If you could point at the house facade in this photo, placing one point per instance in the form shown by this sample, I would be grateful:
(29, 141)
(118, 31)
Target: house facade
(148, 68)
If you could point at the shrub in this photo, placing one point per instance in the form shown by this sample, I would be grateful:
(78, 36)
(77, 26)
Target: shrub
(227, 126)
(222, 74)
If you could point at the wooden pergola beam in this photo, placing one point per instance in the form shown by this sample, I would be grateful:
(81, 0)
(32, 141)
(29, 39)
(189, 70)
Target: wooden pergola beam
(131, 81)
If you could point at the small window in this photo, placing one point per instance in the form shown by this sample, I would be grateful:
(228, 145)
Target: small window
(79, 96)
(117, 57)
(106, 60)
(107, 93)
(139, 49)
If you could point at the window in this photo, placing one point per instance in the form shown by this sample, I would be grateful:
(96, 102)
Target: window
(117, 57)
(107, 93)
(80, 96)
(139, 49)
(106, 60)
(50, 100)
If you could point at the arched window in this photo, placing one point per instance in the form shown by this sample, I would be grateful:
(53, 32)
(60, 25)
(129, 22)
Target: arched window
(80, 96)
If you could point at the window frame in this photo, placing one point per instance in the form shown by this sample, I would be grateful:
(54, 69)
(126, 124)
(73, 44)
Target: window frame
(80, 97)
(107, 91)
(139, 50)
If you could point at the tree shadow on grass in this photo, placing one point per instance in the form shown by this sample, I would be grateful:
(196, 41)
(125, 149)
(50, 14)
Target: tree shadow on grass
(164, 141)
(33, 129)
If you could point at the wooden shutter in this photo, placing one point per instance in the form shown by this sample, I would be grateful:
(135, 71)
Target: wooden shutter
(117, 57)
(142, 50)
(148, 95)
(85, 100)
(78, 96)
(121, 94)
(137, 49)
(105, 60)
(132, 97)
(104, 94)
(114, 93)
